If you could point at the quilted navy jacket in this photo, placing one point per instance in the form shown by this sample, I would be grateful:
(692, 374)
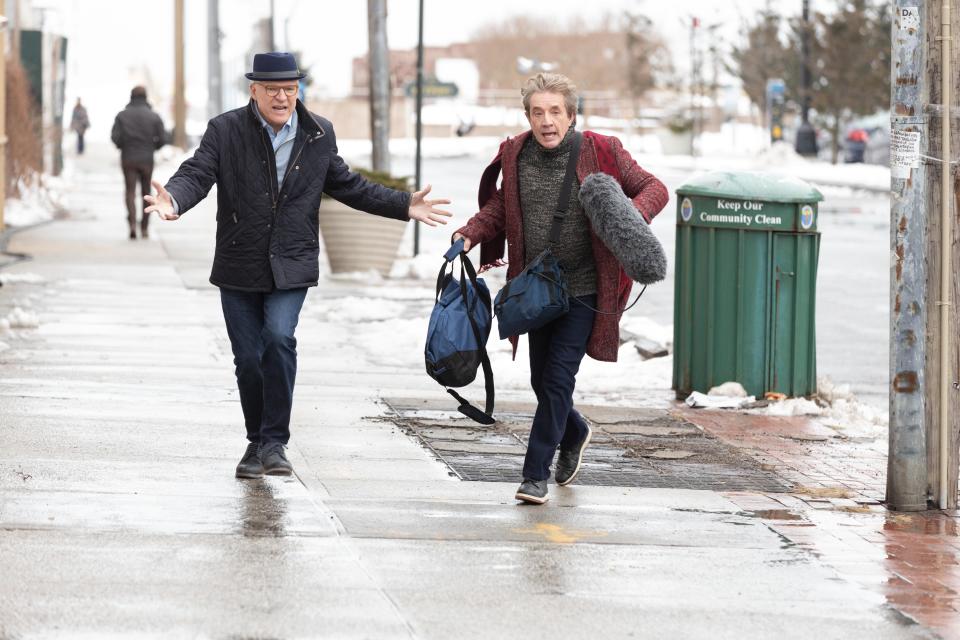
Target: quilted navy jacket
(267, 234)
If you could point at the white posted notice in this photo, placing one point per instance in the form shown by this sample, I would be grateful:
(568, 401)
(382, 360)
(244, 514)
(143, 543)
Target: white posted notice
(904, 152)
(909, 18)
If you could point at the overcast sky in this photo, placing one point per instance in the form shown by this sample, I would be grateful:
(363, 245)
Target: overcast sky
(113, 42)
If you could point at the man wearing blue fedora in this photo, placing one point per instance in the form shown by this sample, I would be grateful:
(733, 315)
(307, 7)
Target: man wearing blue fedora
(272, 161)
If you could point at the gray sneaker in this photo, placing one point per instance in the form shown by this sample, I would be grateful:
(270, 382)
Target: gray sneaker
(250, 466)
(568, 462)
(532, 491)
(274, 460)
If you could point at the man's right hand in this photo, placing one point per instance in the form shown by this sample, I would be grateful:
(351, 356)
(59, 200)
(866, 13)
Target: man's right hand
(466, 241)
(162, 203)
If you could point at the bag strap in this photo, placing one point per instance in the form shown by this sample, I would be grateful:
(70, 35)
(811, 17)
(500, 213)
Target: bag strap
(564, 202)
(467, 271)
(563, 287)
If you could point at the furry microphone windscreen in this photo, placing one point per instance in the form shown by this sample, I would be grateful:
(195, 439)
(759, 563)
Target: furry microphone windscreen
(622, 229)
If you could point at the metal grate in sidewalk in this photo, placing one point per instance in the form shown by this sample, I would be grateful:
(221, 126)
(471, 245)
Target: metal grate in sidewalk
(630, 448)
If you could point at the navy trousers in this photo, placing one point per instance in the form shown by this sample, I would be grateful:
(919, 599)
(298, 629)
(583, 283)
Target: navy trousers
(556, 351)
(261, 328)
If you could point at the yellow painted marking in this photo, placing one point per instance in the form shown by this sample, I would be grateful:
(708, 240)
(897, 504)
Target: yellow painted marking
(558, 535)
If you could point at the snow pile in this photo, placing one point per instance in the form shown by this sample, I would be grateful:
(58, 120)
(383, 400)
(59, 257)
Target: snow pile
(836, 407)
(649, 329)
(22, 319)
(39, 201)
(729, 389)
(371, 276)
(21, 278)
(423, 267)
(793, 407)
(355, 309)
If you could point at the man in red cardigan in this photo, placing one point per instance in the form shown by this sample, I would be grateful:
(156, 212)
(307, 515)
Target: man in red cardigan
(519, 213)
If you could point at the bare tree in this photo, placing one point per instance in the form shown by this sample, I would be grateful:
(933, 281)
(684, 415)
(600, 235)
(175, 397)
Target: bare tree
(851, 63)
(764, 55)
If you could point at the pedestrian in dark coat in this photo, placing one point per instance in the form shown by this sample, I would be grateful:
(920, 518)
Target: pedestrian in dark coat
(272, 161)
(138, 132)
(79, 123)
(520, 213)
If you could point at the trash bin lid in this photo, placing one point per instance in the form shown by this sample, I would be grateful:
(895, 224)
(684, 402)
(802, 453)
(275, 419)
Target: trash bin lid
(751, 185)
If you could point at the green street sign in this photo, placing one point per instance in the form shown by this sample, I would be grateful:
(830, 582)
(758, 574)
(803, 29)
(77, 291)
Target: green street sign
(432, 89)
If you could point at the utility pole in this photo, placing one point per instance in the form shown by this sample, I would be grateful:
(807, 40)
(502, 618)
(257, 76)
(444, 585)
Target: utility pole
(271, 41)
(907, 482)
(694, 82)
(924, 400)
(15, 29)
(942, 399)
(179, 99)
(416, 227)
(3, 109)
(214, 80)
(379, 65)
(806, 136)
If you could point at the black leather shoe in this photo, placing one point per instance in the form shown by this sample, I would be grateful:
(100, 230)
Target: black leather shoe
(274, 460)
(250, 465)
(568, 462)
(532, 491)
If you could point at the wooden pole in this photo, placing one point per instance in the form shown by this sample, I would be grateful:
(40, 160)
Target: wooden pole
(179, 99)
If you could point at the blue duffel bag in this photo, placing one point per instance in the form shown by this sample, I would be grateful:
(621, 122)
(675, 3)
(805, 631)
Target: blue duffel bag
(457, 335)
(535, 297)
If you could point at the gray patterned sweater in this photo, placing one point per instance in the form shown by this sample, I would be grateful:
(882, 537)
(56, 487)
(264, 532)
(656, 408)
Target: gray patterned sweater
(541, 177)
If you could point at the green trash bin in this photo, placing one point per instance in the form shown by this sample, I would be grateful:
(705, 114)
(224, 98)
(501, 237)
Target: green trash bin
(745, 284)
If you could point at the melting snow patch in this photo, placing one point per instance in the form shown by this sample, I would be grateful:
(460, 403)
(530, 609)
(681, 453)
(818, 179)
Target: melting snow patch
(734, 389)
(20, 319)
(24, 278)
(793, 407)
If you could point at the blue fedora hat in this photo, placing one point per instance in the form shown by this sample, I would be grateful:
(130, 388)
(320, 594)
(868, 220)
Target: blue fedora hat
(276, 65)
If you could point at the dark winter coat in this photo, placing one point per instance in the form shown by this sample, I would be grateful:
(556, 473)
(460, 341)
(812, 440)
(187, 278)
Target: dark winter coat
(79, 120)
(267, 234)
(501, 219)
(137, 132)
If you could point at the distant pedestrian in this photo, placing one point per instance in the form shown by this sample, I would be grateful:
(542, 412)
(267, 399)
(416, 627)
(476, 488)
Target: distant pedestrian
(79, 122)
(520, 212)
(138, 132)
(272, 161)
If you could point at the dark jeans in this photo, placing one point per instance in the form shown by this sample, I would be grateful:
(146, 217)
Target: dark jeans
(556, 351)
(79, 142)
(132, 174)
(261, 327)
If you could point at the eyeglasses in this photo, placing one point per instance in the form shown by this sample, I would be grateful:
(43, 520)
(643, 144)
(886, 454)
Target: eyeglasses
(274, 91)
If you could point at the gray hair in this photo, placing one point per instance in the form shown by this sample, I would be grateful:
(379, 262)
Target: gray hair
(551, 83)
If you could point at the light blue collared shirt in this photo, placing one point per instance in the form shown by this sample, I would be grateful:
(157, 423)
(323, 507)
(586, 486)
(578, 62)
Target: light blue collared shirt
(282, 141)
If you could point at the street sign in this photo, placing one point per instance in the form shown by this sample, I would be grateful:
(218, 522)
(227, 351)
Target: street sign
(432, 89)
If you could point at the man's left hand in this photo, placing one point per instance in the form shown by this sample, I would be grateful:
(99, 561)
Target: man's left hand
(425, 211)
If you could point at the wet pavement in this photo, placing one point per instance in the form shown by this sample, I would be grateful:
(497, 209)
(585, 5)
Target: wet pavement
(120, 516)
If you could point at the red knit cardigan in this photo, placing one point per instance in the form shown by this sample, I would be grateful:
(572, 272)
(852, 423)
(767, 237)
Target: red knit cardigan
(500, 219)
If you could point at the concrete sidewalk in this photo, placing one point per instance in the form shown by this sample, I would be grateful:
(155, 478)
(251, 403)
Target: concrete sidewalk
(120, 516)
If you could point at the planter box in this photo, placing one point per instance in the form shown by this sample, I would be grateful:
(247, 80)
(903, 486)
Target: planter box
(358, 241)
(675, 144)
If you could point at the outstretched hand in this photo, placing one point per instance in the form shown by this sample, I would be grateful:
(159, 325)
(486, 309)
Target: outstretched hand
(162, 203)
(425, 211)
